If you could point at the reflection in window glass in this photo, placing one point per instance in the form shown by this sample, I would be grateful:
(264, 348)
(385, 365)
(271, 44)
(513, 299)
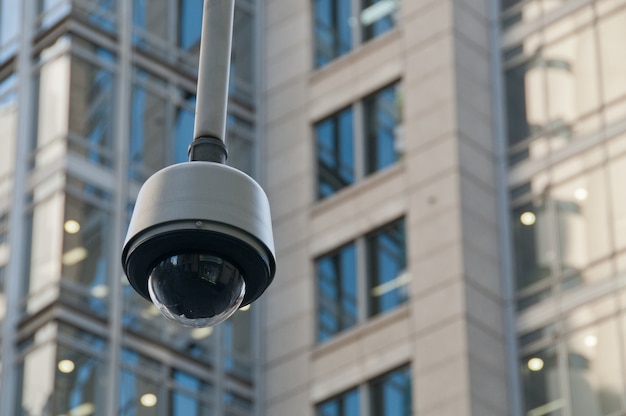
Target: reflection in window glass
(333, 34)
(378, 17)
(91, 109)
(148, 121)
(336, 292)
(151, 16)
(388, 280)
(346, 404)
(541, 384)
(86, 238)
(390, 395)
(189, 396)
(240, 141)
(242, 60)
(611, 32)
(238, 343)
(381, 116)
(10, 19)
(531, 244)
(617, 173)
(237, 405)
(335, 153)
(183, 128)
(80, 382)
(190, 24)
(98, 12)
(139, 385)
(52, 11)
(594, 384)
(8, 125)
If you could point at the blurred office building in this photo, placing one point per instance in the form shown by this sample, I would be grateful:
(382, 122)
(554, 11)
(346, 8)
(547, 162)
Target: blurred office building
(447, 181)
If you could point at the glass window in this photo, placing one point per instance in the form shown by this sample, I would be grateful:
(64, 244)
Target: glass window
(80, 381)
(51, 11)
(595, 386)
(236, 405)
(386, 256)
(541, 383)
(242, 59)
(561, 232)
(378, 17)
(98, 12)
(333, 34)
(86, 239)
(611, 30)
(8, 125)
(148, 122)
(150, 16)
(335, 153)
(238, 344)
(91, 109)
(617, 173)
(10, 20)
(575, 374)
(189, 25)
(184, 120)
(381, 114)
(390, 395)
(336, 292)
(346, 404)
(189, 396)
(139, 393)
(240, 141)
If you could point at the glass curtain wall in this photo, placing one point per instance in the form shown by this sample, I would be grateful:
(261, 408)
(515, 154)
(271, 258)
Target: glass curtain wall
(566, 106)
(87, 343)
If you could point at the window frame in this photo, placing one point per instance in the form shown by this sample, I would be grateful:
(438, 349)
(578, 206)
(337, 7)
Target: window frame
(362, 286)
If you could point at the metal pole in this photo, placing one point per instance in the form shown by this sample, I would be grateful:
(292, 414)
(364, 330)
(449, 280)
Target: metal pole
(213, 76)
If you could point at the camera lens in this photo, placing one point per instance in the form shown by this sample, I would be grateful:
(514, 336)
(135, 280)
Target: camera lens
(196, 290)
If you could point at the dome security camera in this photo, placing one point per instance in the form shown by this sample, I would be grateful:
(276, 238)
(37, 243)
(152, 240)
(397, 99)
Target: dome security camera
(200, 243)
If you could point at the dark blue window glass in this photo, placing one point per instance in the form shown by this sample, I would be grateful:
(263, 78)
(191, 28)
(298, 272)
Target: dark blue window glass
(333, 36)
(190, 24)
(148, 121)
(346, 404)
(378, 17)
(337, 292)
(185, 401)
(391, 394)
(386, 255)
(335, 153)
(183, 126)
(381, 118)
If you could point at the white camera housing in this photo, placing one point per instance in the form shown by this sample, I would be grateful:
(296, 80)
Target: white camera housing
(206, 209)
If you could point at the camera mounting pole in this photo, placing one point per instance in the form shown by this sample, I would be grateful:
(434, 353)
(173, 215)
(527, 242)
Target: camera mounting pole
(213, 78)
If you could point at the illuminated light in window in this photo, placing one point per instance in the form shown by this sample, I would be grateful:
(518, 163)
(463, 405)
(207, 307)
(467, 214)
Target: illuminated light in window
(74, 256)
(245, 308)
(377, 11)
(591, 341)
(99, 291)
(66, 366)
(71, 226)
(85, 409)
(150, 312)
(402, 280)
(148, 400)
(581, 194)
(202, 333)
(528, 218)
(535, 364)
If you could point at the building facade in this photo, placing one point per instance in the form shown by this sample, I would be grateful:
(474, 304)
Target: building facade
(446, 180)
(95, 96)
